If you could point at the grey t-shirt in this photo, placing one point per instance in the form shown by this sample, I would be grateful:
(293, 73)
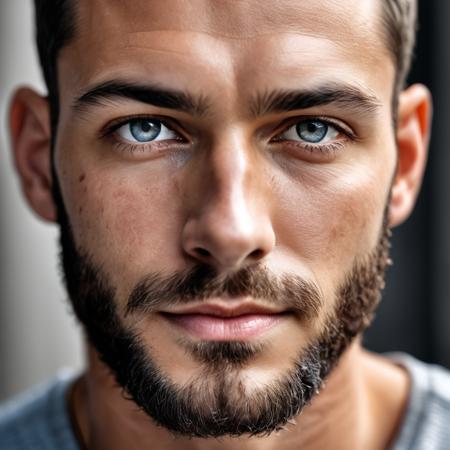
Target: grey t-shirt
(39, 420)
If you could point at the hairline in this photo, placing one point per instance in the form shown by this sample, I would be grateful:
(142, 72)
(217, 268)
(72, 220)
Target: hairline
(384, 23)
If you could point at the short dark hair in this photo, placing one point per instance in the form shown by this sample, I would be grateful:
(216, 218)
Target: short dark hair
(55, 27)
(56, 24)
(399, 20)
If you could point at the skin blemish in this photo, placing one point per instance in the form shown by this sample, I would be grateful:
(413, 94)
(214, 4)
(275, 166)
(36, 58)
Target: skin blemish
(82, 177)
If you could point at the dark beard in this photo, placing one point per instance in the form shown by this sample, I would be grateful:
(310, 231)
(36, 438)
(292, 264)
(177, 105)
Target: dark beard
(216, 404)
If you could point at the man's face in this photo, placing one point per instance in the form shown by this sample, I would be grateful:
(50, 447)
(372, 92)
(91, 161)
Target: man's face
(273, 153)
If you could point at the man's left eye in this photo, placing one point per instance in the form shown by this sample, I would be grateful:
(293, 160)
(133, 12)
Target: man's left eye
(310, 131)
(145, 130)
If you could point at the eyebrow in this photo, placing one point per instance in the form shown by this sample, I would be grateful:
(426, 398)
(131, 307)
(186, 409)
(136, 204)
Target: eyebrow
(150, 94)
(343, 95)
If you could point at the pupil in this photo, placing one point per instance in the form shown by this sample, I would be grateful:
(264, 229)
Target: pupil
(312, 127)
(146, 127)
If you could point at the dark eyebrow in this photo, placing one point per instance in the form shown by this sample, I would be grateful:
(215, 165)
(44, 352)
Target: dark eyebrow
(150, 94)
(344, 96)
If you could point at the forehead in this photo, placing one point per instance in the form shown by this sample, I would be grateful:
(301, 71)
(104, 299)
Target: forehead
(238, 19)
(247, 42)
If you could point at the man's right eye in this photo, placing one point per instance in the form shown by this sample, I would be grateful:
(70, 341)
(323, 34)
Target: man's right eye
(145, 130)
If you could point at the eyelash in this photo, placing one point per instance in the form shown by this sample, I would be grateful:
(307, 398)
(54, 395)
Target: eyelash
(324, 149)
(142, 148)
(129, 147)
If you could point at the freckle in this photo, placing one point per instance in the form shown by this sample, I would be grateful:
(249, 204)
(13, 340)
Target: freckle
(334, 233)
(82, 177)
(80, 210)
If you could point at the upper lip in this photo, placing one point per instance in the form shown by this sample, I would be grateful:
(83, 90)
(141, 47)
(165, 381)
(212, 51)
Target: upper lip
(225, 310)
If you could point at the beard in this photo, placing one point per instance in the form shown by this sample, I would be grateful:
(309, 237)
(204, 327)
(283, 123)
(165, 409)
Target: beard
(217, 403)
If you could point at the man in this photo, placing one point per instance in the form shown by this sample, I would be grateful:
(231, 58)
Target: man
(225, 176)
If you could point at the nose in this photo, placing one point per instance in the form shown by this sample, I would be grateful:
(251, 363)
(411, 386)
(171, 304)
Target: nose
(228, 224)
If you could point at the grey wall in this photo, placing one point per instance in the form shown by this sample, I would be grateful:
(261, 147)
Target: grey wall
(37, 336)
(439, 77)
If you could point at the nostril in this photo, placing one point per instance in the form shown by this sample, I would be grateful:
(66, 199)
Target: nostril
(202, 251)
(256, 254)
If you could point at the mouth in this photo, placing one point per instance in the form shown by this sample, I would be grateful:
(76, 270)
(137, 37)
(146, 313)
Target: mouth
(219, 322)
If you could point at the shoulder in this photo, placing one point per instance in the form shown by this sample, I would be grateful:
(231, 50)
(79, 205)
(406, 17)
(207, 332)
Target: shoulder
(427, 417)
(39, 418)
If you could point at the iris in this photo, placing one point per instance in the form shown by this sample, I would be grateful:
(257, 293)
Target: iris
(312, 131)
(144, 130)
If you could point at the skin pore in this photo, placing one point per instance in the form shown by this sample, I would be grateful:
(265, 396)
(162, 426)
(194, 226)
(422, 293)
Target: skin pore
(230, 186)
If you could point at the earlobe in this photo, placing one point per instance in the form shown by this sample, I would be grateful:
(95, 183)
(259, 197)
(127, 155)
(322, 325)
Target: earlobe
(413, 131)
(31, 142)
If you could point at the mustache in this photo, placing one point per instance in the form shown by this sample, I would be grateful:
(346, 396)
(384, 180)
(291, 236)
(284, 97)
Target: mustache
(291, 292)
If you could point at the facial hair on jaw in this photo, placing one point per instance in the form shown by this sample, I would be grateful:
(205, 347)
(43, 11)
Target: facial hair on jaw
(215, 404)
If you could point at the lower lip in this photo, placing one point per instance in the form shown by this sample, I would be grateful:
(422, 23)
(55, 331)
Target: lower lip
(214, 328)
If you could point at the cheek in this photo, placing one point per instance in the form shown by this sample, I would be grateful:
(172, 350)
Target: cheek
(126, 223)
(330, 219)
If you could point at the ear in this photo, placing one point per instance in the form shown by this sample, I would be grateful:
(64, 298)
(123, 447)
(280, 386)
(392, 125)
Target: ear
(413, 132)
(31, 141)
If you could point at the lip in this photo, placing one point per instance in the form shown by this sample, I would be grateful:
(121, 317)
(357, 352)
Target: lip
(226, 309)
(218, 322)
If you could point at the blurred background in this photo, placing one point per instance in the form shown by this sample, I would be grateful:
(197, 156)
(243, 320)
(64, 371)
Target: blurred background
(38, 334)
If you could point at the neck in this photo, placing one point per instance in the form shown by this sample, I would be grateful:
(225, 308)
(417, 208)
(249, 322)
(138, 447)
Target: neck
(360, 406)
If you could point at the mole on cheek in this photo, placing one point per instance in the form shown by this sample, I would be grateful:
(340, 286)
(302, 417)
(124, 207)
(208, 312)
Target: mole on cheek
(82, 177)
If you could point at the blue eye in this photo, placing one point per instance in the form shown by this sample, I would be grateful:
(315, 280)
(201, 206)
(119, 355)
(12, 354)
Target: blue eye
(145, 130)
(311, 131)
